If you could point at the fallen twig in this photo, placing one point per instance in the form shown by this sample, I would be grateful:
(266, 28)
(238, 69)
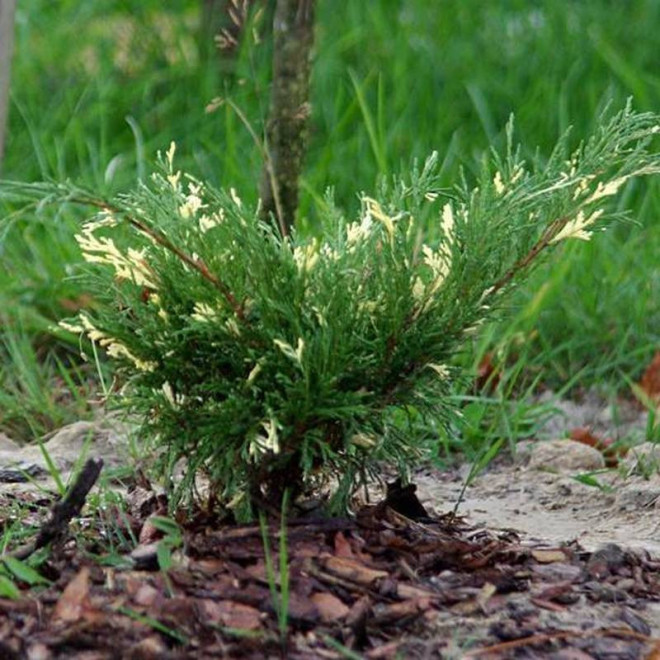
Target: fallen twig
(555, 636)
(64, 511)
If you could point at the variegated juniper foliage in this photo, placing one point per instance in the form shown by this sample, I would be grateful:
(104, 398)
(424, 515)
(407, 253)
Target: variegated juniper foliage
(269, 363)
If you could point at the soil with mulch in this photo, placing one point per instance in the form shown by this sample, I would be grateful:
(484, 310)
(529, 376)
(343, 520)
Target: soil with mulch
(379, 585)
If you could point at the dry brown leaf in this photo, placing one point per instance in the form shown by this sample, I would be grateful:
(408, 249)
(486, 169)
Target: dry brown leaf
(488, 375)
(329, 606)
(74, 601)
(604, 445)
(650, 382)
(584, 436)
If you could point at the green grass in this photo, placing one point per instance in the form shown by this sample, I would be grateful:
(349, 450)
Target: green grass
(99, 87)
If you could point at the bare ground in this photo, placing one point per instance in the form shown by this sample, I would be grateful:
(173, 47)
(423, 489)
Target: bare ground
(537, 565)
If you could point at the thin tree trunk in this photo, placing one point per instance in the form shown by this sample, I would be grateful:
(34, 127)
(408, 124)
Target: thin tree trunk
(7, 11)
(293, 37)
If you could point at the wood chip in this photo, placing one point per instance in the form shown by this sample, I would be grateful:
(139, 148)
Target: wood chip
(329, 606)
(549, 556)
(349, 569)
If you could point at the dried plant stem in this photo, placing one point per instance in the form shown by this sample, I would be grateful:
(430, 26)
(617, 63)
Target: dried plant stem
(542, 638)
(269, 170)
(64, 511)
(543, 243)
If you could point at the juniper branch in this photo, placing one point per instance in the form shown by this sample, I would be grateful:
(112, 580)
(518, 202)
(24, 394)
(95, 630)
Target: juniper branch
(165, 242)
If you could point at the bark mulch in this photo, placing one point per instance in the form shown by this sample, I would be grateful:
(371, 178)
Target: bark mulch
(379, 585)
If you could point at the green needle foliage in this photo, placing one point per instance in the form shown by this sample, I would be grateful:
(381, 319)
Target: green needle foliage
(271, 363)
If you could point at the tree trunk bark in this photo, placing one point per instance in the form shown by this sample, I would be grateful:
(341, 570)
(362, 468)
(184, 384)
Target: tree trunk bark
(7, 11)
(293, 37)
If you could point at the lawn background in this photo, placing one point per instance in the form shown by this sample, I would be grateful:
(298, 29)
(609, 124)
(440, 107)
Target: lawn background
(98, 87)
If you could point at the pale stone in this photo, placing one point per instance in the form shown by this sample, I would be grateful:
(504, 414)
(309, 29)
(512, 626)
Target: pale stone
(642, 494)
(643, 459)
(7, 444)
(66, 448)
(565, 455)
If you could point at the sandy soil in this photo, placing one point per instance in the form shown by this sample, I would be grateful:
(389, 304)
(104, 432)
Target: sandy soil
(547, 502)
(554, 507)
